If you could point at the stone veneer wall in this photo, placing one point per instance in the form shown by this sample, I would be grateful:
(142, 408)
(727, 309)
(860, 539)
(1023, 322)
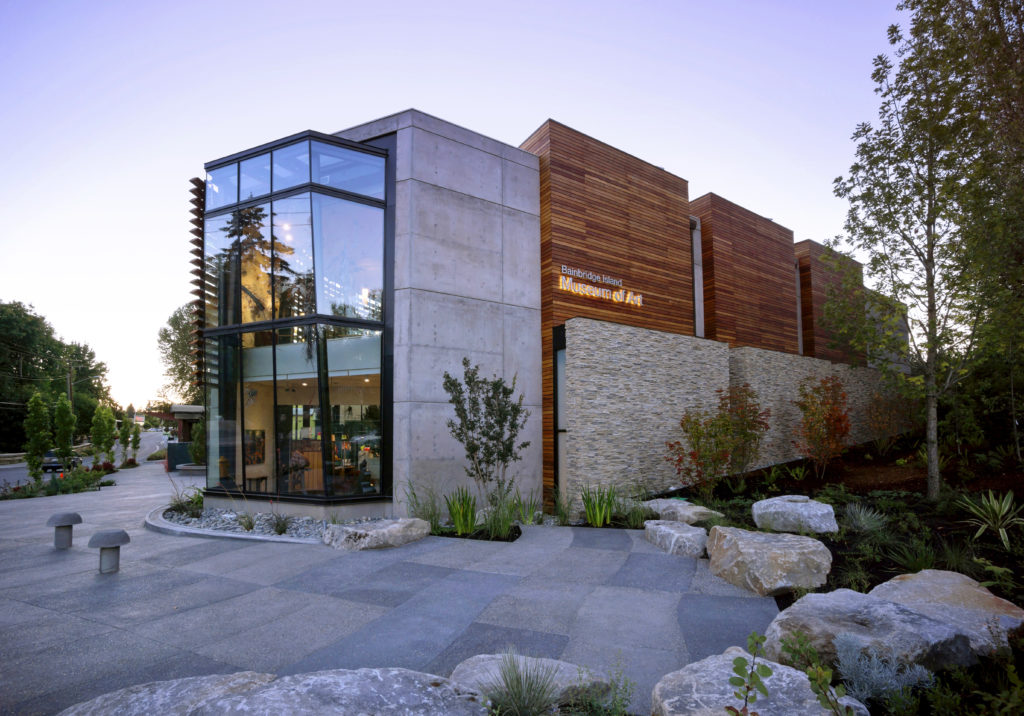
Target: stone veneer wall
(627, 387)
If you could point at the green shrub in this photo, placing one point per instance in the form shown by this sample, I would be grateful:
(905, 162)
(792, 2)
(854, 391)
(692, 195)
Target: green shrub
(157, 455)
(527, 508)
(824, 423)
(913, 556)
(462, 510)
(246, 521)
(280, 522)
(598, 504)
(998, 514)
(499, 519)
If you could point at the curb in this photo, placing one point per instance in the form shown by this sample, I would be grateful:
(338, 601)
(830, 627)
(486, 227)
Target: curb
(155, 521)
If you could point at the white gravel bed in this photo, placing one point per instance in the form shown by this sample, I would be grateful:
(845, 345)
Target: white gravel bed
(227, 521)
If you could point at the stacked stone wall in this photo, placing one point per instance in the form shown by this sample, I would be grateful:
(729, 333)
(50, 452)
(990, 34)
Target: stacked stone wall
(627, 387)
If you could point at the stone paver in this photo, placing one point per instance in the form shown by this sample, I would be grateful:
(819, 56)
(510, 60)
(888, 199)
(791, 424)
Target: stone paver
(185, 606)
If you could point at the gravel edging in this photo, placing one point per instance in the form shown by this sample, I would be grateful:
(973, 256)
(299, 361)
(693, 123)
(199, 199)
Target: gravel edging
(155, 521)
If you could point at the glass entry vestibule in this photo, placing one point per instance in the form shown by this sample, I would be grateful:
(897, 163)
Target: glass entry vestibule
(294, 284)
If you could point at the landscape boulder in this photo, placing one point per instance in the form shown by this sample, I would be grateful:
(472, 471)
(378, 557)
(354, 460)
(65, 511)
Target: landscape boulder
(679, 510)
(958, 601)
(765, 563)
(702, 689)
(676, 537)
(572, 682)
(400, 692)
(879, 624)
(376, 535)
(794, 513)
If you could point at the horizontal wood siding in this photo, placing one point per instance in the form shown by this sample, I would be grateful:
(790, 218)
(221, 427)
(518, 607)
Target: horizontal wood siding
(605, 211)
(821, 271)
(749, 277)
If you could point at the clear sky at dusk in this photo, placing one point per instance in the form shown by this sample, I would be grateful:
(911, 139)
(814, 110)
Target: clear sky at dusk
(108, 108)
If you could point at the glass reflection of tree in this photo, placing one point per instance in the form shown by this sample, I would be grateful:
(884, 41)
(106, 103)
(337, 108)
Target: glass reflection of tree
(296, 288)
(372, 308)
(254, 247)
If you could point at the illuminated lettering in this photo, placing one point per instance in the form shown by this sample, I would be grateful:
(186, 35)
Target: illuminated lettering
(566, 283)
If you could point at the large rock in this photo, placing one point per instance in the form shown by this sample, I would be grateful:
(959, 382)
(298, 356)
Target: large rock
(794, 513)
(171, 698)
(676, 537)
(680, 510)
(366, 691)
(702, 689)
(766, 563)
(377, 534)
(887, 627)
(571, 681)
(960, 602)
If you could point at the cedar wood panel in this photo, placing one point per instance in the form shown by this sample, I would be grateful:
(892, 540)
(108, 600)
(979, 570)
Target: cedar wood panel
(818, 275)
(608, 212)
(749, 277)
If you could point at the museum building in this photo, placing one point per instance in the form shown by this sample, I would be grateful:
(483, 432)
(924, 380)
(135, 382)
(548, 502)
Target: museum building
(338, 276)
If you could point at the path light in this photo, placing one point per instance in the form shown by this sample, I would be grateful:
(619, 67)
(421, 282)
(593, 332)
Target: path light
(109, 542)
(62, 522)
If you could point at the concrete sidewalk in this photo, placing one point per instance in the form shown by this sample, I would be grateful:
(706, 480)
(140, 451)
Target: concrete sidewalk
(183, 606)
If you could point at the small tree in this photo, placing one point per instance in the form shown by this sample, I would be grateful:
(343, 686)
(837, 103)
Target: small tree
(124, 436)
(102, 434)
(747, 424)
(136, 439)
(64, 427)
(488, 420)
(825, 421)
(37, 431)
(197, 448)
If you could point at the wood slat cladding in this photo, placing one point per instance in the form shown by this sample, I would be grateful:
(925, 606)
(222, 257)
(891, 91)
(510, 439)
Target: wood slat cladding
(749, 277)
(609, 213)
(821, 270)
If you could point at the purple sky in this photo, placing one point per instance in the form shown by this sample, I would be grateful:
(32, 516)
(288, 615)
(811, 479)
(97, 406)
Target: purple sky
(108, 108)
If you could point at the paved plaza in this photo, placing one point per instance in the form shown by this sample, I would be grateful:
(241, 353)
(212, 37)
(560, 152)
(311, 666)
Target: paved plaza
(188, 606)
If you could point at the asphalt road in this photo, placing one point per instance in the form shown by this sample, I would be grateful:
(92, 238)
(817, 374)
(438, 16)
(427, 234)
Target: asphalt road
(17, 474)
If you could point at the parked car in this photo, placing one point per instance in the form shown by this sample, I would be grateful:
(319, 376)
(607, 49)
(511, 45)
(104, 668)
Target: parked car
(52, 462)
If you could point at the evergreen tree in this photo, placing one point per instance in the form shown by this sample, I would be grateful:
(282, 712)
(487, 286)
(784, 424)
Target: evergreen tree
(103, 434)
(64, 428)
(136, 438)
(37, 430)
(124, 436)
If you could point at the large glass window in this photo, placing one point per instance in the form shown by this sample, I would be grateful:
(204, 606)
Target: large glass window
(254, 177)
(252, 227)
(220, 272)
(294, 279)
(291, 166)
(221, 187)
(295, 408)
(349, 241)
(348, 169)
(353, 377)
(299, 421)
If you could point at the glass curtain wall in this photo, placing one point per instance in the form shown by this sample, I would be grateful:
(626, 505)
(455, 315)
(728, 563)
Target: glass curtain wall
(294, 321)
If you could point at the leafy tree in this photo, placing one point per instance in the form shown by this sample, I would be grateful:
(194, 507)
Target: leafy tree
(64, 428)
(906, 194)
(136, 439)
(174, 344)
(102, 434)
(124, 435)
(29, 362)
(488, 420)
(197, 448)
(37, 429)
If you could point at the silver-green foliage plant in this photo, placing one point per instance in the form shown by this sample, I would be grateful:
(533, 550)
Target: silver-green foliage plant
(488, 420)
(994, 513)
(864, 519)
(522, 688)
(37, 430)
(748, 679)
(871, 674)
(462, 510)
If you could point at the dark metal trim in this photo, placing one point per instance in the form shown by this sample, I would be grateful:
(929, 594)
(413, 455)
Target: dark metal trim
(294, 191)
(291, 139)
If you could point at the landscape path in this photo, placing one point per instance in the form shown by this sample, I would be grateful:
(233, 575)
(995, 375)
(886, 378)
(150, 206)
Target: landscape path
(187, 606)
